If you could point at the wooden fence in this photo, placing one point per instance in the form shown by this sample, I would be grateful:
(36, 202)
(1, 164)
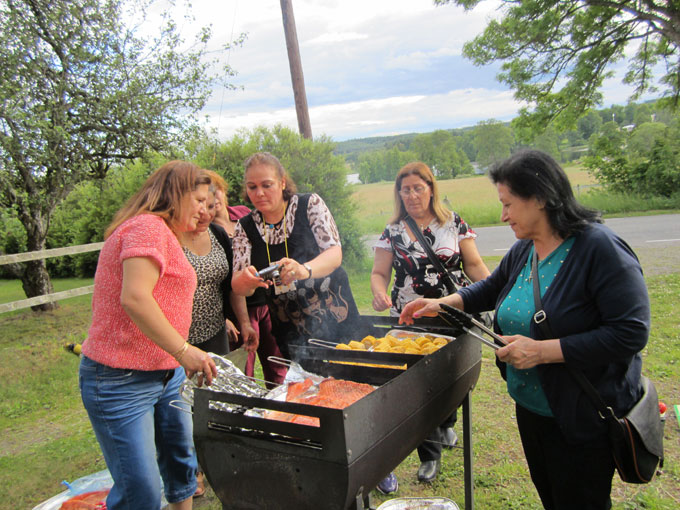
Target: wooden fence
(45, 254)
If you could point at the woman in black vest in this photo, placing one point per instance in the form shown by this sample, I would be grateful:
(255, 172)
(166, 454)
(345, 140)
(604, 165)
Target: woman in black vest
(311, 297)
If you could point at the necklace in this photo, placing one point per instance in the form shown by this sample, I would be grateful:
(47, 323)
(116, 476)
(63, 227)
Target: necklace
(423, 224)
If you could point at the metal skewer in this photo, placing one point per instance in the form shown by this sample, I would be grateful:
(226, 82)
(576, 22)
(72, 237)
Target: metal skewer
(465, 321)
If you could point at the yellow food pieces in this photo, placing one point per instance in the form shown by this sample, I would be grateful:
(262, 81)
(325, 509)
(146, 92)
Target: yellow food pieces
(421, 345)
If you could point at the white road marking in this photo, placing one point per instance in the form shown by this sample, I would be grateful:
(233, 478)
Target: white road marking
(663, 241)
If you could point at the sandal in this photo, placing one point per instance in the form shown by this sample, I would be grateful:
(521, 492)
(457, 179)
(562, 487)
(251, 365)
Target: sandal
(200, 485)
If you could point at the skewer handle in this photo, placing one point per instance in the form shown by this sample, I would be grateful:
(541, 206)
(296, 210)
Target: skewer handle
(482, 339)
(488, 331)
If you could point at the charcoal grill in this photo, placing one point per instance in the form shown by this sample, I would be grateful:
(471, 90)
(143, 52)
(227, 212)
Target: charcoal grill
(254, 463)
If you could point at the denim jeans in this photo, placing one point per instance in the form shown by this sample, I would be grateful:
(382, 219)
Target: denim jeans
(143, 438)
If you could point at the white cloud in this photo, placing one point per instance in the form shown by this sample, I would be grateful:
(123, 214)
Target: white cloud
(373, 67)
(380, 117)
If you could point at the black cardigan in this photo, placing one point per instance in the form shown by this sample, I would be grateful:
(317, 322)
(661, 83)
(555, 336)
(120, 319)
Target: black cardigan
(598, 307)
(223, 238)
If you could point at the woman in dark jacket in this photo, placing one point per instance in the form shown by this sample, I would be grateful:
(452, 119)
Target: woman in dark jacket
(596, 303)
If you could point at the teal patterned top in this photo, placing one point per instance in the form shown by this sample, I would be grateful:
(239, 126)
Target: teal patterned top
(514, 318)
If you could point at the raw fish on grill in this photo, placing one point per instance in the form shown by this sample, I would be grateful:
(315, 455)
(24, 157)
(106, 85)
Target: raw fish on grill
(333, 393)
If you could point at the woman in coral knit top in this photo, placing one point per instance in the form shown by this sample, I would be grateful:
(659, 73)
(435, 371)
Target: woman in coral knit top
(136, 354)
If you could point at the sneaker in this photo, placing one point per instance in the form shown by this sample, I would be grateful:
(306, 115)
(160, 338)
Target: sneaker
(450, 438)
(389, 484)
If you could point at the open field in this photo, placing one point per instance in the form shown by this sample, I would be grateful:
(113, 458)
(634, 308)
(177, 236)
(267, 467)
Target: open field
(474, 198)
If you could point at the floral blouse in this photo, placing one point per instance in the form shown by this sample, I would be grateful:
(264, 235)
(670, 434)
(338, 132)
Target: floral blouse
(320, 220)
(414, 274)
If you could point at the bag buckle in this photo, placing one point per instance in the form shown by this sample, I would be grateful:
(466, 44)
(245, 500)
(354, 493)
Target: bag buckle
(540, 316)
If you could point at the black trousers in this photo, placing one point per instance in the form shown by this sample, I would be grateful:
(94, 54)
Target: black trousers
(431, 448)
(567, 477)
(218, 343)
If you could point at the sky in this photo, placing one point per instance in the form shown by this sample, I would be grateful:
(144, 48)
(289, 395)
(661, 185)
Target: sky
(371, 67)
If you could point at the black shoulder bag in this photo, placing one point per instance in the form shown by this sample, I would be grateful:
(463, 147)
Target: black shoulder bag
(636, 440)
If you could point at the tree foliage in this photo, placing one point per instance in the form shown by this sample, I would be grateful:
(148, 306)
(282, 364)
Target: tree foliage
(493, 142)
(556, 54)
(81, 90)
(645, 161)
(310, 163)
(440, 151)
(383, 165)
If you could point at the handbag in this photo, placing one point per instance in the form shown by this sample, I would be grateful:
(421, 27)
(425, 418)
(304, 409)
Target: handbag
(636, 439)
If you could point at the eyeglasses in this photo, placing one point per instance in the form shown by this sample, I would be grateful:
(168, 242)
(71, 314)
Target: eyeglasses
(417, 190)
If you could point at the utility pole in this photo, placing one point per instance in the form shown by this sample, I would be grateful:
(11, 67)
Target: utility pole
(295, 63)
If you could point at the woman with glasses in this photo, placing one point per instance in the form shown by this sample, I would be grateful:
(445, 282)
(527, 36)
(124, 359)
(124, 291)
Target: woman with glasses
(453, 243)
(309, 297)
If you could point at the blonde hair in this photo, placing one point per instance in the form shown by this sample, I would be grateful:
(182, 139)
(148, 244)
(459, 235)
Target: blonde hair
(161, 194)
(423, 171)
(266, 158)
(218, 181)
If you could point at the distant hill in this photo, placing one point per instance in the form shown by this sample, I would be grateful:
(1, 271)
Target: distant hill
(352, 148)
(357, 145)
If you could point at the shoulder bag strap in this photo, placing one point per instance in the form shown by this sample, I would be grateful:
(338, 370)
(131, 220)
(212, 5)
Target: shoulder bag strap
(541, 320)
(436, 263)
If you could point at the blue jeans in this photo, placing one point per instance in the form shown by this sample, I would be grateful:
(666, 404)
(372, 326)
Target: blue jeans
(143, 438)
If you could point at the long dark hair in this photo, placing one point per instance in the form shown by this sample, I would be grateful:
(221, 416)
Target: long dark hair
(535, 174)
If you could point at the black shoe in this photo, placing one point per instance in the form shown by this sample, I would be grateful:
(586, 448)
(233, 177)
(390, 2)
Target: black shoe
(450, 438)
(428, 470)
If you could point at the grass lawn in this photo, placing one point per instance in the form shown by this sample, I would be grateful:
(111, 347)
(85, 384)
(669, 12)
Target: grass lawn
(46, 436)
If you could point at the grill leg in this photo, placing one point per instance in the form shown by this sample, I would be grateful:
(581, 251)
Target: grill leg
(362, 502)
(467, 454)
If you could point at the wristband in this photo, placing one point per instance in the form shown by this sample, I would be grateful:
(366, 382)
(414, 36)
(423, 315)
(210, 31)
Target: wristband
(309, 270)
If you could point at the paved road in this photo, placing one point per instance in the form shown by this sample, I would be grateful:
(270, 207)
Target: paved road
(639, 232)
(661, 231)
(655, 239)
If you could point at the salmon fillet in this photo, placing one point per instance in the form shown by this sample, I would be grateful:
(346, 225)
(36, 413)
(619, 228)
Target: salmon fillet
(333, 393)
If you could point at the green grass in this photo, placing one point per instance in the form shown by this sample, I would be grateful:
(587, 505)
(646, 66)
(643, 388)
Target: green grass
(46, 436)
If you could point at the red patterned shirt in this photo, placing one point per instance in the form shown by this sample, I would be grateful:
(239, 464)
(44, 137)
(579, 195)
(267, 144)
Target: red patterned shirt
(115, 340)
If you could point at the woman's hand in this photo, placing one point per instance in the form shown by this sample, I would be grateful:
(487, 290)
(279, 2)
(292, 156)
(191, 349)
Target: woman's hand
(523, 352)
(194, 360)
(250, 338)
(290, 270)
(232, 331)
(246, 281)
(381, 301)
(421, 307)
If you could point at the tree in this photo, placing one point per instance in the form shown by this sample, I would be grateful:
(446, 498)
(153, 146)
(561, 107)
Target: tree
(79, 92)
(556, 54)
(310, 163)
(440, 151)
(493, 142)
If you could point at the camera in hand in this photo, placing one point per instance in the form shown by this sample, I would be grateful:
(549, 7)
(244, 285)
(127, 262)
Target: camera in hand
(271, 273)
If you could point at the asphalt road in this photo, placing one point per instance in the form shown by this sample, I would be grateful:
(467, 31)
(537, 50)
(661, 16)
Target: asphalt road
(661, 231)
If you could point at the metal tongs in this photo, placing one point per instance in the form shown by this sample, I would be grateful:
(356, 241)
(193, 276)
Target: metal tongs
(461, 320)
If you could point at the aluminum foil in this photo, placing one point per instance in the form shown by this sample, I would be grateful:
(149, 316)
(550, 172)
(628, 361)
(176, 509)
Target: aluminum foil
(230, 379)
(435, 503)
